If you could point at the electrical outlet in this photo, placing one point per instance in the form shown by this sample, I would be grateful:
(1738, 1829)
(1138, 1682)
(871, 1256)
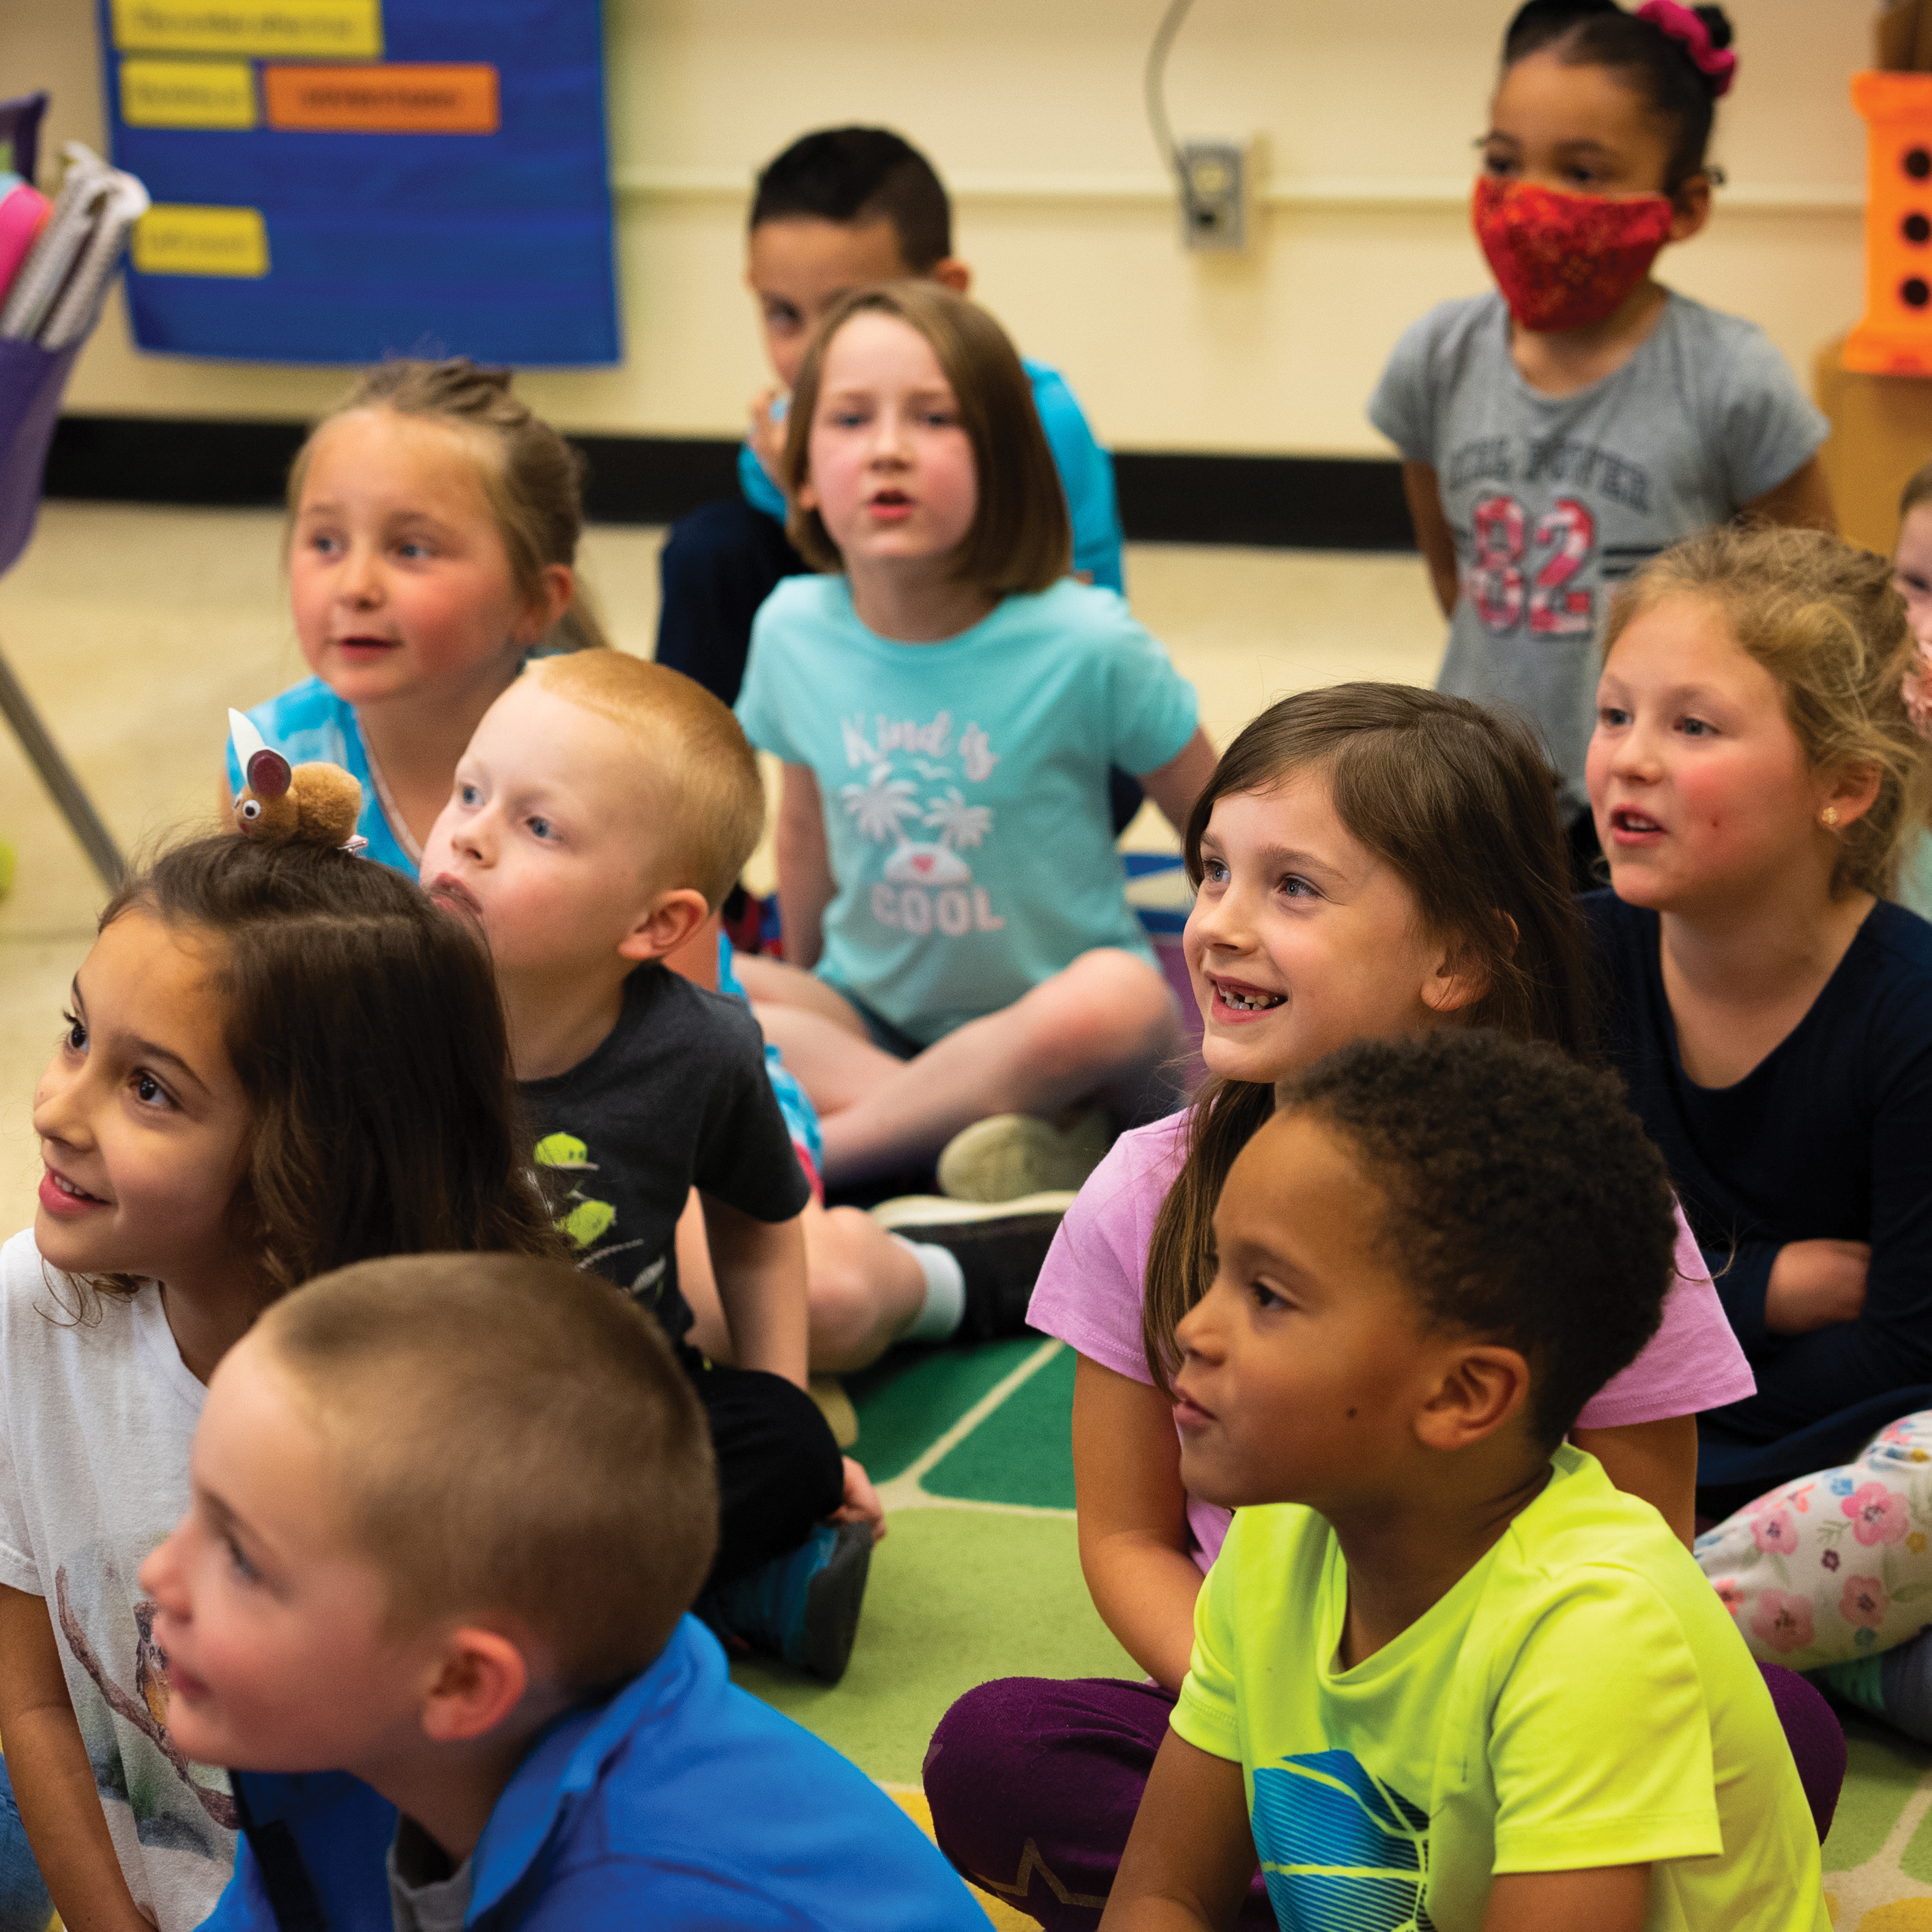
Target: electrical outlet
(1213, 195)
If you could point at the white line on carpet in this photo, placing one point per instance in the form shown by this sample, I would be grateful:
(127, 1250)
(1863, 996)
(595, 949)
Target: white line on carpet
(918, 1499)
(904, 1492)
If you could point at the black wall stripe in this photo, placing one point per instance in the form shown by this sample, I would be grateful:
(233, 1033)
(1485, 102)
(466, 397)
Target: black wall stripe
(1292, 503)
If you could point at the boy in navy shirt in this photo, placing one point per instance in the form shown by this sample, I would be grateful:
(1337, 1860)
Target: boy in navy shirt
(447, 1514)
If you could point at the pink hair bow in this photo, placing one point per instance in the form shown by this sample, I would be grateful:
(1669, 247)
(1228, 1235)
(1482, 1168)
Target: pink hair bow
(1718, 65)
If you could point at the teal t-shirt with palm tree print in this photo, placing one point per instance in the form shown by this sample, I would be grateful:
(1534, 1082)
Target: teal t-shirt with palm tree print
(964, 786)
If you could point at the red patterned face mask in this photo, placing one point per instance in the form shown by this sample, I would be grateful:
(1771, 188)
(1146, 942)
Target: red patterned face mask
(1563, 261)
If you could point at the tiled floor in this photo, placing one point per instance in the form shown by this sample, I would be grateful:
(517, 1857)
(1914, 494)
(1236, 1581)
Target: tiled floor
(134, 629)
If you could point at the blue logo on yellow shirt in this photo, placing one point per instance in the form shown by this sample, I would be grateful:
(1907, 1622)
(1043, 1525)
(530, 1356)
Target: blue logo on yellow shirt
(1340, 1851)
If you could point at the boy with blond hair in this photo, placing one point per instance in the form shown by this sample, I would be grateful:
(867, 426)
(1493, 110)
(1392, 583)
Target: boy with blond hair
(600, 811)
(447, 1514)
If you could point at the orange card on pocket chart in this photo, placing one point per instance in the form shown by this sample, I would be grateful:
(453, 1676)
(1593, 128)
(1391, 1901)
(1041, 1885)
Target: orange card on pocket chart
(383, 97)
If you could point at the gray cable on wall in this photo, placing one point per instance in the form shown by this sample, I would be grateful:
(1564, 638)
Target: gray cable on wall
(1157, 85)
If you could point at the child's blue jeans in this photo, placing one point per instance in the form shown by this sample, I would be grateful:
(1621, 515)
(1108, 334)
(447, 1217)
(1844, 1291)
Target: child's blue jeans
(24, 1906)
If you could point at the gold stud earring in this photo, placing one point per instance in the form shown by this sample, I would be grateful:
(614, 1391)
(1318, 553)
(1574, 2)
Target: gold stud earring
(1829, 818)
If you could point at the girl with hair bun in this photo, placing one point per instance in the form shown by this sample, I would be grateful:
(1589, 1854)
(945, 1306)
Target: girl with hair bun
(1581, 416)
(433, 520)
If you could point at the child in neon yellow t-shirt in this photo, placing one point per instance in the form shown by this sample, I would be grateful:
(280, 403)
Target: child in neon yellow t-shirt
(1445, 1674)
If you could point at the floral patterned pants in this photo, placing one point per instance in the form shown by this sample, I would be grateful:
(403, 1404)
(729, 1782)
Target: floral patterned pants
(1829, 1568)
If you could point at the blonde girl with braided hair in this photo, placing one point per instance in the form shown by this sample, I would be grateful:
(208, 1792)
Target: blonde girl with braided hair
(433, 520)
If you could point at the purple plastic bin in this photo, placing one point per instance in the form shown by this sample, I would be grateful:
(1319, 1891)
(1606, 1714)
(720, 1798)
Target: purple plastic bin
(32, 381)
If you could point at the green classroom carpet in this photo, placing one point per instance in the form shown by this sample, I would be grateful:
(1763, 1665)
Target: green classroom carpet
(979, 1577)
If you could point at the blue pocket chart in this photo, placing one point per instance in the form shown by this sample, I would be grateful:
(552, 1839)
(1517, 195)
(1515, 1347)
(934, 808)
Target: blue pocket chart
(336, 180)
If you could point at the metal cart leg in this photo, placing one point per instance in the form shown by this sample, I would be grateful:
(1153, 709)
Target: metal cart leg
(76, 806)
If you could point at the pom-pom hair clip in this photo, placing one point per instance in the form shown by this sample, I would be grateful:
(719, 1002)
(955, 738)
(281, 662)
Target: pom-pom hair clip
(282, 804)
(1718, 65)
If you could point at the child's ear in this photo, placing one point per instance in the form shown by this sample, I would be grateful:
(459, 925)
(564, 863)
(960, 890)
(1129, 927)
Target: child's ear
(1850, 793)
(482, 1680)
(1690, 207)
(1482, 1388)
(952, 274)
(555, 589)
(665, 924)
(1455, 981)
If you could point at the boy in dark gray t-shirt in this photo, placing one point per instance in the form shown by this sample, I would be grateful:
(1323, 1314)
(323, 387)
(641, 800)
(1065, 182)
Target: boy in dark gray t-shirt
(602, 809)
(1552, 499)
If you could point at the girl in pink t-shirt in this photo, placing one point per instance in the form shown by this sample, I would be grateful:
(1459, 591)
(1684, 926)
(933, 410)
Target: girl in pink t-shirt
(1371, 860)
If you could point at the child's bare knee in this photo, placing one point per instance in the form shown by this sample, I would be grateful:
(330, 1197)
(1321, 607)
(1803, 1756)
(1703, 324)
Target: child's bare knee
(845, 1298)
(1112, 1009)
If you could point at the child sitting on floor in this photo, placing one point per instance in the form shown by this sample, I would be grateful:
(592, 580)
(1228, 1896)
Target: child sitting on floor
(946, 701)
(1398, 1699)
(602, 810)
(432, 540)
(447, 1518)
(1756, 770)
(840, 208)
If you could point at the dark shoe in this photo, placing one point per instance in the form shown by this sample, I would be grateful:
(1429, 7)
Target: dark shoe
(803, 1607)
(999, 1246)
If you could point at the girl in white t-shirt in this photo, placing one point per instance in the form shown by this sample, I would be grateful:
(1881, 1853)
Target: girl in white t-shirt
(1371, 860)
(277, 1060)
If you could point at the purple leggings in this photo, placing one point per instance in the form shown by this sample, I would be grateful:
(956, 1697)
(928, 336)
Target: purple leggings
(1034, 1783)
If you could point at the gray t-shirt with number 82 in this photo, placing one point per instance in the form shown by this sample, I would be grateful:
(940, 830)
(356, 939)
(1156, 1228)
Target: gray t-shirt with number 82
(1552, 499)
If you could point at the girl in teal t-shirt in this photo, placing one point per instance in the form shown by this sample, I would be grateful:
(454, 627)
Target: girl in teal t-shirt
(947, 706)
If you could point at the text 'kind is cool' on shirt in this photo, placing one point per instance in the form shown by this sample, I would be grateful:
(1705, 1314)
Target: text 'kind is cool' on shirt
(1554, 499)
(1579, 1698)
(675, 1097)
(964, 785)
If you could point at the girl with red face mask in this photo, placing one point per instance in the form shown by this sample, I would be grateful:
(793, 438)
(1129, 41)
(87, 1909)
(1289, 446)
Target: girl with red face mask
(1557, 432)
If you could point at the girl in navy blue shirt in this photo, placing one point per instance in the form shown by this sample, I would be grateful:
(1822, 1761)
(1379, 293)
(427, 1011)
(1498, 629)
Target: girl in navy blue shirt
(1753, 773)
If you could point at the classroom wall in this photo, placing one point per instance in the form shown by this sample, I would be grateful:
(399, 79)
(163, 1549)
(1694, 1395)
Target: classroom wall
(1363, 116)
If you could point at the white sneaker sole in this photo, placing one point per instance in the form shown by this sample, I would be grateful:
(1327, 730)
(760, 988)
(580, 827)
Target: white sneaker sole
(937, 1210)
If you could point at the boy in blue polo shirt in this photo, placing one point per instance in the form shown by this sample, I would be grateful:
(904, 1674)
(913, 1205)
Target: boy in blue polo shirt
(448, 1513)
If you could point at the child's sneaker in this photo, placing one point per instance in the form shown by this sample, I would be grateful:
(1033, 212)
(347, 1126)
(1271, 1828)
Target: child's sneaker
(1009, 1155)
(999, 1246)
(803, 1607)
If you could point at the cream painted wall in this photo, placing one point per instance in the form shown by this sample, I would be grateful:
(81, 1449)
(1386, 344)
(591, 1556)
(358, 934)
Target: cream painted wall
(1364, 114)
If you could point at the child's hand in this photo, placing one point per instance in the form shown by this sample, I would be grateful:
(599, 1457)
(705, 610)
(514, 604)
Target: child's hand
(1815, 1283)
(862, 1503)
(767, 436)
